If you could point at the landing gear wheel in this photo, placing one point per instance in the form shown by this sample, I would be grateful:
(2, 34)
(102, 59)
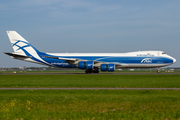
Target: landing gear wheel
(96, 70)
(90, 71)
(158, 71)
(87, 71)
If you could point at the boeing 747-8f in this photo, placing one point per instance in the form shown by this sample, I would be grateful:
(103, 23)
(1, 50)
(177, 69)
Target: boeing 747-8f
(90, 62)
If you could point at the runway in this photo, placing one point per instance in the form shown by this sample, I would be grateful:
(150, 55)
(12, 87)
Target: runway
(106, 73)
(89, 88)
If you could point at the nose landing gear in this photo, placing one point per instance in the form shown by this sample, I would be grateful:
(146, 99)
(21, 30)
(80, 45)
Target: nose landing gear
(159, 70)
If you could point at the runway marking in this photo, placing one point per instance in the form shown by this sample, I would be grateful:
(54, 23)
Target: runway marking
(89, 74)
(89, 88)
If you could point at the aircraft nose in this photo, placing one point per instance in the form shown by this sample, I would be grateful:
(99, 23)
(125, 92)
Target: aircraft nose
(174, 60)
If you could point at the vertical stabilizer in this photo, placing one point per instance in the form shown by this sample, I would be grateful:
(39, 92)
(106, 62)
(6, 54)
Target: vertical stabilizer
(23, 49)
(20, 45)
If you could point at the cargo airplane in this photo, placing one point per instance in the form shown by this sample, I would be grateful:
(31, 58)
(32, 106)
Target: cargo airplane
(90, 62)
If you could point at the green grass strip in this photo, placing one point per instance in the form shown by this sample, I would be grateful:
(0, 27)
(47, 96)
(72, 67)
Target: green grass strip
(113, 81)
(90, 104)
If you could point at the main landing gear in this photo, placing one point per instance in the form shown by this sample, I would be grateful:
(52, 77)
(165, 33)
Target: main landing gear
(95, 70)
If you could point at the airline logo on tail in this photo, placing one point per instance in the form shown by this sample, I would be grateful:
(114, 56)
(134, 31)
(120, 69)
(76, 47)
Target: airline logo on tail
(21, 43)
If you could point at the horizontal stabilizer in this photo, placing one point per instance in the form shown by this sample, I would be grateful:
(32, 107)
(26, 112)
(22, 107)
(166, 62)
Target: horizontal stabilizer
(17, 55)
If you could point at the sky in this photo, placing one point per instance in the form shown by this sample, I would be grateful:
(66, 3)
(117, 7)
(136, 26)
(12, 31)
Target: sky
(91, 26)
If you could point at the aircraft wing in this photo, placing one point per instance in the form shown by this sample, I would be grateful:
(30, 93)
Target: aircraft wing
(67, 60)
(70, 59)
(75, 61)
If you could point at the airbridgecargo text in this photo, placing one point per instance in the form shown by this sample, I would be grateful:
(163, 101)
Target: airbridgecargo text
(145, 55)
(59, 63)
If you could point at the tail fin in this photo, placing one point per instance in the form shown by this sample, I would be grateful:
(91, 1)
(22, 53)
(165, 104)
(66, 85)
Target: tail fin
(20, 45)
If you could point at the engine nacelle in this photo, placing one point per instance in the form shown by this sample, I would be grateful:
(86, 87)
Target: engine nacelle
(108, 67)
(86, 65)
(104, 67)
(82, 65)
(111, 67)
(89, 64)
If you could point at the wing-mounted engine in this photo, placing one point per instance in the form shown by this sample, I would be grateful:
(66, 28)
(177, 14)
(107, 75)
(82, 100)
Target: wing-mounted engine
(107, 67)
(90, 66)
(86, 65)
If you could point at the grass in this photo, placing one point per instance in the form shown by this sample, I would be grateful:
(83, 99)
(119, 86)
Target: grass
(135, 81)
(90, 104)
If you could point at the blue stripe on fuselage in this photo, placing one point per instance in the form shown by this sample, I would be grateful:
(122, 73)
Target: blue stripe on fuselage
(110, 59)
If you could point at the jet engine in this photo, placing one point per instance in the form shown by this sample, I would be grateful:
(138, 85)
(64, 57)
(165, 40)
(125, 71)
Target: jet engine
(86, 65)
(82, 65)
(108, 67)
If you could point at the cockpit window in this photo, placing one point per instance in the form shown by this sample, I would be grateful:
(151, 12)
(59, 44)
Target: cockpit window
(163, 53)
